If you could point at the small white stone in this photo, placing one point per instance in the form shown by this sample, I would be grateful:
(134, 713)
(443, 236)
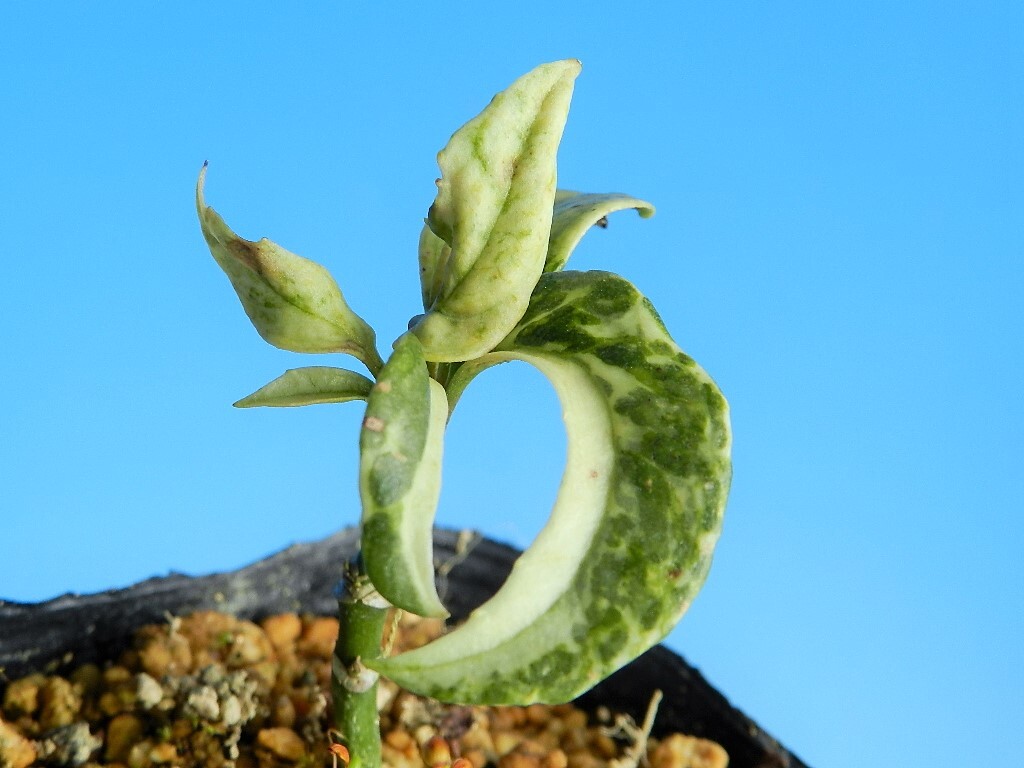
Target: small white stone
(203, 701)
(231, 711)
(148, 691)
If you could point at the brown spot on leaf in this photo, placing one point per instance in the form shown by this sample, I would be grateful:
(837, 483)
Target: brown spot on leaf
(246, 252)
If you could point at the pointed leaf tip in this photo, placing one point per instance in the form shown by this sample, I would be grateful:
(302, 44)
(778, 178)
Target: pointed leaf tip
(491, 218)
(577, 212)
(293, 302)
(309, 386)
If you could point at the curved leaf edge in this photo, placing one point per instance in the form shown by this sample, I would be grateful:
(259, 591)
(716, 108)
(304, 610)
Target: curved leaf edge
(493, 209)
(311, 385)
(495, 659)
(293, 302)
(401, 447)
(576, 212)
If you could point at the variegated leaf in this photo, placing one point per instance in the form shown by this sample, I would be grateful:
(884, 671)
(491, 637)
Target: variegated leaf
(493, 209)
(309, 386)
(576, 212)
(639, 510)
(293, 302)
(400, 450)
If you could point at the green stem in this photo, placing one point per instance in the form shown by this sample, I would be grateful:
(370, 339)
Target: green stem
(362, 616)
(373, 361)
(442, 373)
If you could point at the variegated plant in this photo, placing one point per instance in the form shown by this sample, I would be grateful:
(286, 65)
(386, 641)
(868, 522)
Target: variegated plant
(639, 510)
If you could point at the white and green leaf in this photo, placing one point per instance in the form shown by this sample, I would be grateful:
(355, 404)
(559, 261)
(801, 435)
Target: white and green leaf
(293, 302)
(576, 212)
(400, 449)
(309, 386)
(493, 211)
(630, 538)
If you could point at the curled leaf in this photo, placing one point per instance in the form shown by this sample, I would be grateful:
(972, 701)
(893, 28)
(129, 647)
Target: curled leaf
(293, 302)
(576, 212)
(638, 512)
(493, 210)
(434, 255)
(400, 479)
(309, 386)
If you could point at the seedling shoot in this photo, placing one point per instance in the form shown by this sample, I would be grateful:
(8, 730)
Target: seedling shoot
(630, 538)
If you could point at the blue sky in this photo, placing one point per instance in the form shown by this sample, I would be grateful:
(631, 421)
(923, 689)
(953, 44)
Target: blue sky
(839, 241)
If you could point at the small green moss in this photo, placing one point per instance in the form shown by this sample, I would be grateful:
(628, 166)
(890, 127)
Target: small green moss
(224, 639)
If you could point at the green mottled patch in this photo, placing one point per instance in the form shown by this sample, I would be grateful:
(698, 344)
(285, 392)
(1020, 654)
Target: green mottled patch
(389, 478)
(628, 353)
(610, 298)
(640, 407)
(567, 327)
(641, 548)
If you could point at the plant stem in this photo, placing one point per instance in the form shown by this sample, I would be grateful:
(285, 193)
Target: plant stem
(442, 372)
(374, 362)
(362, 616)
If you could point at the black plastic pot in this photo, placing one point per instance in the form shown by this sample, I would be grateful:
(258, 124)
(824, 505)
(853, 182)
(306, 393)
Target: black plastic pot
(80, 628)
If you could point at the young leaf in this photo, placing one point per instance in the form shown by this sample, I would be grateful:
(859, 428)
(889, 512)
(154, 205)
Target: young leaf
(293, 302)
(434, 255)
(630, 539)
(493, 210)
(308, 386)
(400, 479)
(575, 213)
